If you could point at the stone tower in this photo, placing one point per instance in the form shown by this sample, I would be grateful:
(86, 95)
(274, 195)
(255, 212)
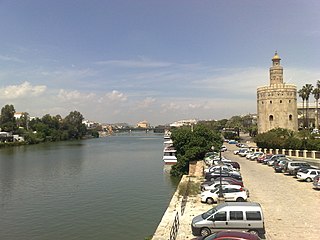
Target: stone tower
(277, 103)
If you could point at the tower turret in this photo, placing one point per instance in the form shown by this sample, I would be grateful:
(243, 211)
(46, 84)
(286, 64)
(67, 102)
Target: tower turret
(276, 71)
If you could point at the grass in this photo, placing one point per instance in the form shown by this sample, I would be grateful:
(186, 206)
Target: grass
(190, 187)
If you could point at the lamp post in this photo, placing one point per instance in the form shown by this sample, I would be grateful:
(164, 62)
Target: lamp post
(220, 195)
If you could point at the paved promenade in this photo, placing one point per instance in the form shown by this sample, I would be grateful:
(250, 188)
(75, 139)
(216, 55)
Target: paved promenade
(291, 208)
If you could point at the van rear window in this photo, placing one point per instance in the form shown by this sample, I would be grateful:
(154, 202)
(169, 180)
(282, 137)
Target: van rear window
(253, 215)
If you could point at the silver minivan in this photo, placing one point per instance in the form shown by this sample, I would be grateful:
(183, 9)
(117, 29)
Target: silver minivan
(239, 216)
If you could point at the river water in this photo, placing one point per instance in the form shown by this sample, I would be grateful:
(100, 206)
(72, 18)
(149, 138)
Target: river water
(107, 188)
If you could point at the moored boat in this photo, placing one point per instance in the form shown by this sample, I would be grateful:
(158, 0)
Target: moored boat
(169, 155)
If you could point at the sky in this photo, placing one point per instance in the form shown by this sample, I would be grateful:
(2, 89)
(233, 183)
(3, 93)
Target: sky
(155, 60)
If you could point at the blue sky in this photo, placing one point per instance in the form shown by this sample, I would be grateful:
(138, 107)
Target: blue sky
(160, 61)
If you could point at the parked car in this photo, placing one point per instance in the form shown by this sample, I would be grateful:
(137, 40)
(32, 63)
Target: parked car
(250, 154)
(263, 157)
(316, 182)
(231, 193)
(231, 180)
(229, 235)
(213, 175)
(274, 158)
(301, 168)
(292, 166)
(213, 185)
(208, 154)
(235, 165)
(241, 216)
(308, 174)
(267, 158)
(215, 168)
(240, 150)
(256, 155)
(278, 166)
(223, 148)
(244, 153)
(232, 142)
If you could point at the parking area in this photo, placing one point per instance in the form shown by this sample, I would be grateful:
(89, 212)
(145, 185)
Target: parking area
(291, 207)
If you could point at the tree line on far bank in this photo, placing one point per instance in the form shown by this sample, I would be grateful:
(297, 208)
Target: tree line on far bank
(47, 128)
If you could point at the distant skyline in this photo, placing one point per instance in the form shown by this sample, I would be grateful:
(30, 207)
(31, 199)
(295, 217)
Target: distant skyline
(160, 61)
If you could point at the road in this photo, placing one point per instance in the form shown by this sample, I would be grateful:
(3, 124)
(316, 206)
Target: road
(291, 207)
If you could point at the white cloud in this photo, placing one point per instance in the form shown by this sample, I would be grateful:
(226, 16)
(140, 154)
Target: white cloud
(147, 102)
(116, 96)
(21, 91)
(74, 95)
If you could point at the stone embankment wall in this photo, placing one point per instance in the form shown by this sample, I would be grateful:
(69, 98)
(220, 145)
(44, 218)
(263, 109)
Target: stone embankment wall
(171, 221)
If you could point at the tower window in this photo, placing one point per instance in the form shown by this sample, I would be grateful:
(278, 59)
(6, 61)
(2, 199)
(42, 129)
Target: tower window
(290, 117)
(262, 102)
(270, 102)
(271, 118)
(280, 101)
(289, 101)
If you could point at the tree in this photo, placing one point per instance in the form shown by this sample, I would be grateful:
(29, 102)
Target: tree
(302, 94)
(192, 146)
(74, 126)
(235, 122)
(7, 119)
(316, 94)
(308, 90)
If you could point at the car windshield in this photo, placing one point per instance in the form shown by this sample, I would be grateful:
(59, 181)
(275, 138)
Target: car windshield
(208, 213)
(214, 190)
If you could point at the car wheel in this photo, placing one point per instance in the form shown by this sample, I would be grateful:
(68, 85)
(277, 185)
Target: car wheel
(308, 179)
(254, 232)
(210, 200)
(240, 199)
(205, 232)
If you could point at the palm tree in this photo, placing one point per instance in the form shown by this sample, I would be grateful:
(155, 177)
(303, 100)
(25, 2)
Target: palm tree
(308, 91)
(316, 94)
(302, 94)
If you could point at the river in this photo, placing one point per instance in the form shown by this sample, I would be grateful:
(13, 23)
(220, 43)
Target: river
(107, 188)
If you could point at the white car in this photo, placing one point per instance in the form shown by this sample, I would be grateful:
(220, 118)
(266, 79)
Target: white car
(244, 153)
(230, 193)
(256, 155)
(239, 150)
(249, 155)
(223, 148)
(214, 185)
(308, 174)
